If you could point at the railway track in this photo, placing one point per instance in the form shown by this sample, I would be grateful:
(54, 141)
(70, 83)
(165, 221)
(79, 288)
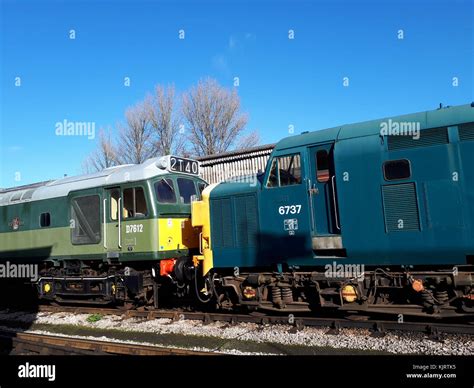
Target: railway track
(377, 327)
(32, 343)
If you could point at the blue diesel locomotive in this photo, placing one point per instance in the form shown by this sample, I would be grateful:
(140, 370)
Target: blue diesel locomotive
(375, 217)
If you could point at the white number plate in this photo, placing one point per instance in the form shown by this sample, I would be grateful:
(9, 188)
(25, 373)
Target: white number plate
(289, 209)
(136, 228)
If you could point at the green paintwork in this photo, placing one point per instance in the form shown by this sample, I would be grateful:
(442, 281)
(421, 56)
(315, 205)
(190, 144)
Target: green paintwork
(56, 243)
(32, 242)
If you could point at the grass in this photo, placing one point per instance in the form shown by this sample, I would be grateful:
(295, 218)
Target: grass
(94, 318)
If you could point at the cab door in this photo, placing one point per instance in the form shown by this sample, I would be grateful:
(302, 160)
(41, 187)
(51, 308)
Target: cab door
(326, 224)
(285, 227)
(112, 216)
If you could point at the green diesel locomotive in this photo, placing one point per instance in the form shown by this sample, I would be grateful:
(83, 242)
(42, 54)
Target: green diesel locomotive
(103, 237)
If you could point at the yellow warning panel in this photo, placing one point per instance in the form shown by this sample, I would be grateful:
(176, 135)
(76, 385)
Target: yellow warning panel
(176, 233)
(200, 213)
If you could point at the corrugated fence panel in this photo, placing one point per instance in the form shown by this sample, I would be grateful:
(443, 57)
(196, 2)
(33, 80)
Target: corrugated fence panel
(215, 169)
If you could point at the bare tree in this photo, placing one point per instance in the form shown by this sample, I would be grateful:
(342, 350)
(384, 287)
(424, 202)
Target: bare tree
(248, 141)
(213, 116)
(135, 141)
(152, 127)
(104, 156)
(164, 120)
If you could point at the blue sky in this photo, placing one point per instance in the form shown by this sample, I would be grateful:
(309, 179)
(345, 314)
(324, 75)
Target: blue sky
(283, 81)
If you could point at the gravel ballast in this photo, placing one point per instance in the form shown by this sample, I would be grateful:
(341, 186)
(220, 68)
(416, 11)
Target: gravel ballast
(231, 339)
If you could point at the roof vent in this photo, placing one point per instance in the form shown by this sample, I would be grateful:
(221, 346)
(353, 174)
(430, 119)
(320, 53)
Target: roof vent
(466, 132)
(427, 138)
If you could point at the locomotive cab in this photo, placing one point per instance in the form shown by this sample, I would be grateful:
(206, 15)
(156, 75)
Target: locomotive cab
(300, 196)
(129, 227)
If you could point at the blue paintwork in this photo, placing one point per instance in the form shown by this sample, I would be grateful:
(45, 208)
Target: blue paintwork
(445, 205)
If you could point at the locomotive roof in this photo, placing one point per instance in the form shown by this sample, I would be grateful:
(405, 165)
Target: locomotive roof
(441, 117)
(62, 187)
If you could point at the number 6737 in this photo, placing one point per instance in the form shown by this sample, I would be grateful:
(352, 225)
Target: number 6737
(289, 209)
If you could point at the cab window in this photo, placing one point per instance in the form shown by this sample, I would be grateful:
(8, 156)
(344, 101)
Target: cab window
(285, 171)
(114, 201)
(134, 203)
(187, 189)
(165, 192)
(273, 177)
(322, 166)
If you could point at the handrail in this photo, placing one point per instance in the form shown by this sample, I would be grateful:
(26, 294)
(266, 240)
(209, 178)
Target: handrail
(105, 222)
(120, 223)
(311, 209)
(335, 203)
(200, 243)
